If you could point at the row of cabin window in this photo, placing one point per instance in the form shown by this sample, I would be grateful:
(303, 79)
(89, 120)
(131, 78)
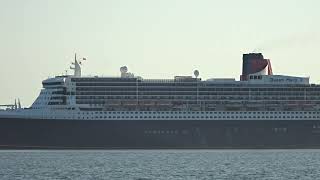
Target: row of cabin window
(107, 95)
(179, 112)
(211, 117)
(161, 132)
(221, 87)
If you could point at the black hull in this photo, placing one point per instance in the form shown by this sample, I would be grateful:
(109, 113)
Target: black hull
(158, 134)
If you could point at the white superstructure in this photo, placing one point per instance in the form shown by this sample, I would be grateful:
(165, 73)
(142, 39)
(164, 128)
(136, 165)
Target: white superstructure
(260, 97)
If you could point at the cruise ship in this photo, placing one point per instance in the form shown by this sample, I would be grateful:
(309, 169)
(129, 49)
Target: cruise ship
(261, 110)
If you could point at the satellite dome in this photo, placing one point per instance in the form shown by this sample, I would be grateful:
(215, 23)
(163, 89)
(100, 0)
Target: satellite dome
(124, 69)
(196, 73)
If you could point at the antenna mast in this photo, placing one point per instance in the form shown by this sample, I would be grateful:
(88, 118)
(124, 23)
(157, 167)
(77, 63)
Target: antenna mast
(76, 66)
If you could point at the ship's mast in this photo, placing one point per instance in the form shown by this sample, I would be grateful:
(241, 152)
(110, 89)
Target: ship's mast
(77, 66)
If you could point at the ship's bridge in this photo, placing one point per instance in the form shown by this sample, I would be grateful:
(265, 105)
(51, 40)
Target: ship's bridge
(53, 82)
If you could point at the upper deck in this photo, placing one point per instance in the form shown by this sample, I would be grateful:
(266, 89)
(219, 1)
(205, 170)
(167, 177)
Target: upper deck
(257, 90)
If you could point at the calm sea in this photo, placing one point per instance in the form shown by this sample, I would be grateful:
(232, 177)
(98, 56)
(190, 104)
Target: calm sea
(161, 164)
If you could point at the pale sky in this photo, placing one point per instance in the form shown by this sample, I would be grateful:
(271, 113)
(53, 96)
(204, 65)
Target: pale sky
(154, 38)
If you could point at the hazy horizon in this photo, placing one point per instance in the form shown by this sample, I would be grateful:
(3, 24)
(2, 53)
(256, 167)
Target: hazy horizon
(155, 39)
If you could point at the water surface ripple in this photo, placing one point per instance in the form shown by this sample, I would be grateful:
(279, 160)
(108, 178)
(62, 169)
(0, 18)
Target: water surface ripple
(160, 164)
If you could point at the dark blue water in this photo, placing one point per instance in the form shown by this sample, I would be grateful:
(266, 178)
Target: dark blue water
(161, 164)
